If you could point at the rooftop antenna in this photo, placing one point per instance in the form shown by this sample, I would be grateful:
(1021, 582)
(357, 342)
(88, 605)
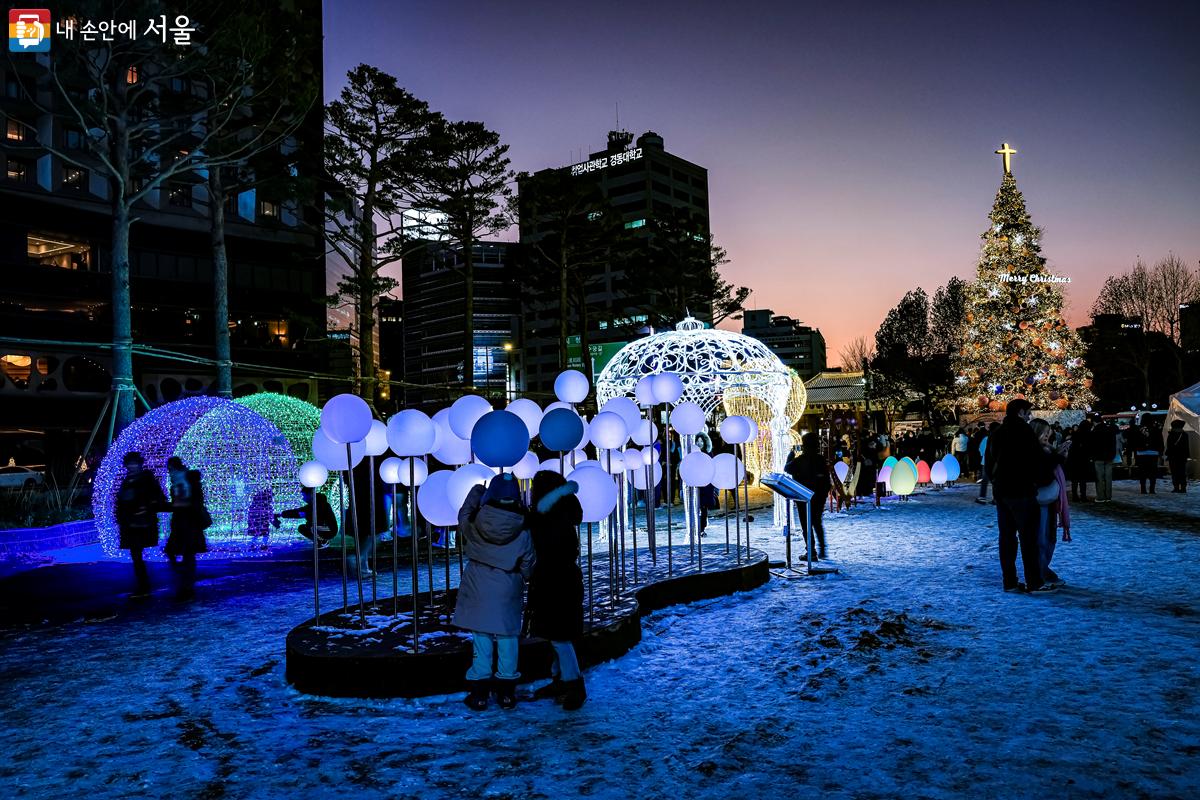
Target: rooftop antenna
(617, 106)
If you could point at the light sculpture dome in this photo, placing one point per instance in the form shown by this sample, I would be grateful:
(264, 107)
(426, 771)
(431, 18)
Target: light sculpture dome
(724, 372)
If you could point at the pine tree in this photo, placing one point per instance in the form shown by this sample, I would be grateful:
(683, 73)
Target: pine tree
(1016, 342)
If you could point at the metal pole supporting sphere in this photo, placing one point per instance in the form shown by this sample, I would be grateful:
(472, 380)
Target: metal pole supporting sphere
(362, 608)
(666, 456)
(412, 538)
(395, 557)
(316, 560)
(371, 532)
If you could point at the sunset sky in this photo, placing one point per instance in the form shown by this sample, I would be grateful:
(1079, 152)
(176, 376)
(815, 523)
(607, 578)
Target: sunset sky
(849, 145)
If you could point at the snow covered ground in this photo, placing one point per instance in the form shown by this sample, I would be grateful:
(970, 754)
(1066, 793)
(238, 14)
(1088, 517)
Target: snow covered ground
(909, 674)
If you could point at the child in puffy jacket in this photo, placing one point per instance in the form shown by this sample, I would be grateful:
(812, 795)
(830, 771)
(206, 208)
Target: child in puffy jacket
(500, 556)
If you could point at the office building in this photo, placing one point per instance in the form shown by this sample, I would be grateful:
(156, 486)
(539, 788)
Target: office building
(434, 322)
(639, 179)
(800, 347)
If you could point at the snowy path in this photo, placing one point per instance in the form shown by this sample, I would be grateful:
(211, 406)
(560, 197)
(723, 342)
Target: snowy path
(910, 674)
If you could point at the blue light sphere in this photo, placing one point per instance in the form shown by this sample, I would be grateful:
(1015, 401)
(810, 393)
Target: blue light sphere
(313, 474)
(561, 429)
(500, 438)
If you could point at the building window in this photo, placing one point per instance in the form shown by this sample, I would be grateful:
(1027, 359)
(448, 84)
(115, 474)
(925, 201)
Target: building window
(14, 131)
(179, 85)
(12, 87)
(73, 139)
(636, 223)
(74, 179)
(268, 209)
(18, 171)
(180, 196)
(55, 250)
(131, 75)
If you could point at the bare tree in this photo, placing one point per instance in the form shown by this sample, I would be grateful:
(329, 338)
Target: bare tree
(855, 353)
(139, 132)
(1153, 295)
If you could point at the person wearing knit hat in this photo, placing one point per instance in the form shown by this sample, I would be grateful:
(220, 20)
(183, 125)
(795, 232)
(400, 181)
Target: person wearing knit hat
(491, 593)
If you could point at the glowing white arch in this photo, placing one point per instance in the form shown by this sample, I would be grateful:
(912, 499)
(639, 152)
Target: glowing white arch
(712, 363)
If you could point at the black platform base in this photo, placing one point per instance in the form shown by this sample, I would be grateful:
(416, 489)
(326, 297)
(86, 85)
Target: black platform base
(341, 657)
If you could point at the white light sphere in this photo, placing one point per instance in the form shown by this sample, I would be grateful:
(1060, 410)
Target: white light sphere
(558, 404)
(607, 430)
(550, 465)
(575, 457)
(597, 492)
(841, 469)
(463, 479)
(626, 409)
(527, 467)
(885, 476)
(389, 471)
(450, 448)
(376, 440)
(667, 387)
(754, 429)
(646, 433)
(613, 462)
(589, 462)
(587, 432)
(571, 386)
(633, 458)
(644, 391)
(736, 429)
(411, 433)
(313, 474)
(904, 478)
(433, 503)
(638, 476)
(346, 418)
(728, 471)
(937, 473)
(333, 454)
(696, 469)
(687, 418)
(465, 412)
(420, 471)
(651, 456)
(529, 412)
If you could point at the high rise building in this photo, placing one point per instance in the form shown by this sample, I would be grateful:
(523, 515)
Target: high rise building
(434, 321)
(641, 180)
(56, 253)
(800, 347)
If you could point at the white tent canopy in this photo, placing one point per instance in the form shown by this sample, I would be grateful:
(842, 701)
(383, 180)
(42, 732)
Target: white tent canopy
(1185, 405)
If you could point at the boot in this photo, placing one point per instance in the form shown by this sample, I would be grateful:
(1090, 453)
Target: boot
(506, 693)
(477, 695)
(574, 696)
(551, 691)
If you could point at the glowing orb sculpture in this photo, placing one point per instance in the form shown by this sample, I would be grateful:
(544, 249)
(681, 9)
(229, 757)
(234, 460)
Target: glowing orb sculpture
(376, 443)
(527, 467)
(500, 438)
(389, 471)
(953, 468)
(313, 474)
(841, 469)
(937, 473)
(626, 409)
(333, 454)
(667, 387)
(728, 471)
(922, 472)
(645, 434)
(696, 469)
(687, 418)
(462, 480)
(529, 412)
(904, 477)
(571, 386)
(465, 412)
(597, 492)
(561, 429)
(346, 418)
(607, 430)
(432, 502)
(448, 447)
(411, 433)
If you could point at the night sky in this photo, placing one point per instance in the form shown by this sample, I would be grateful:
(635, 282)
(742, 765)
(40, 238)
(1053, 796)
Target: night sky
(849, 146)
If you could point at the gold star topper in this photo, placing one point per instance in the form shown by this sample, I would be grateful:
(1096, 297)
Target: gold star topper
(1008, 153)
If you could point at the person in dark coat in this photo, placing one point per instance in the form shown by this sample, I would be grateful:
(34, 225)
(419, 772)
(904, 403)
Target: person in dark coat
(139, 499)
(1177, 451)
(491, 593)
(316, 505)
(1103, 450)
(1079, 461)
(1145, 444)
(1015, 462)
(189, 519)
(556, 586)
(809, 469)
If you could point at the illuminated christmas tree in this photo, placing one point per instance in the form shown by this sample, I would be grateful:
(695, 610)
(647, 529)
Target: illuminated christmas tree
(1016, 342)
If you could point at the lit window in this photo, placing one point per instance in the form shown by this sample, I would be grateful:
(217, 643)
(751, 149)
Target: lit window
(74, 178)
(637, 223)
(131, 75)
(73, 138)
(18, 171)
(56, 250)
(268, 209)
(14, 131)
(180, 196)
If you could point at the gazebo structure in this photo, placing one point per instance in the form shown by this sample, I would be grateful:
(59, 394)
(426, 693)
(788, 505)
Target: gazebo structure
(724, 373)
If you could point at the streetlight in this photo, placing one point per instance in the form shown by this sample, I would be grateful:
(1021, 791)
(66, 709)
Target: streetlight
(507, 370)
